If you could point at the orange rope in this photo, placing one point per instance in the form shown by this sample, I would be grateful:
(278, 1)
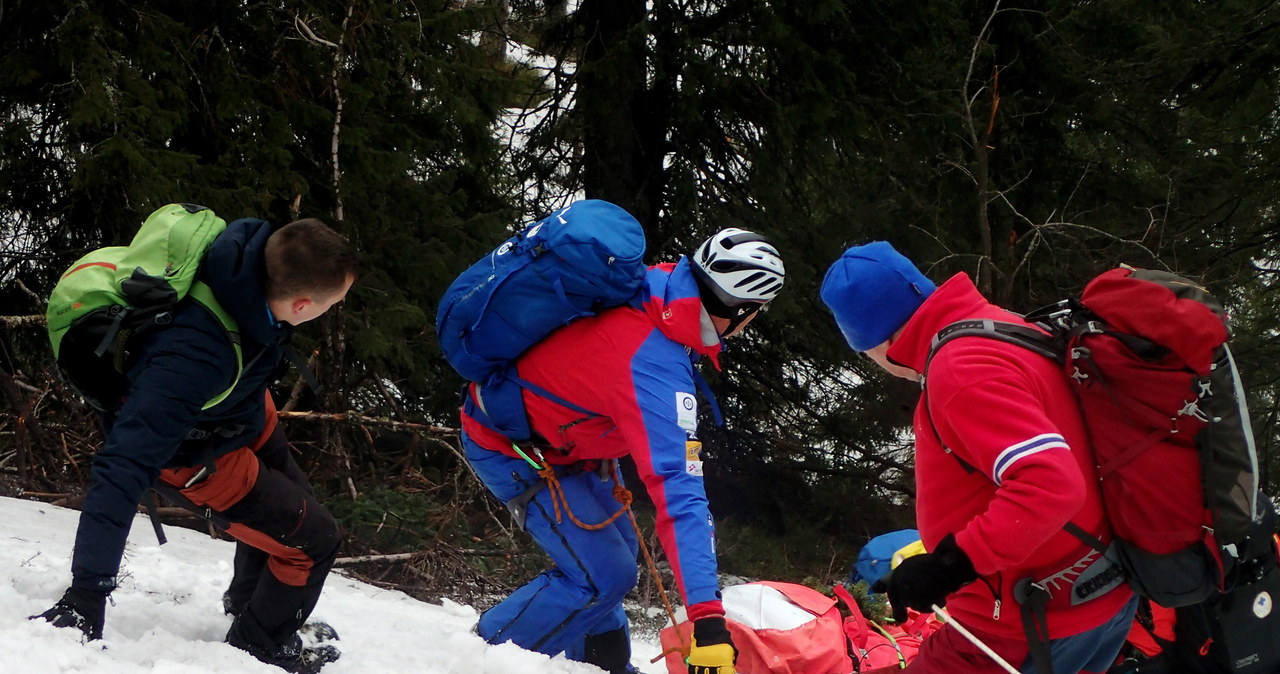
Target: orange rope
(558, 500)
(623, 496)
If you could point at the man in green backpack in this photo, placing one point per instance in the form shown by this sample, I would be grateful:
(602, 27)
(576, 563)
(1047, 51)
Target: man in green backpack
(216, 449)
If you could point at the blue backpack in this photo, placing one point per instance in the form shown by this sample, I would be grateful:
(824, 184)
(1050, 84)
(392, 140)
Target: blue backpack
(573, 263)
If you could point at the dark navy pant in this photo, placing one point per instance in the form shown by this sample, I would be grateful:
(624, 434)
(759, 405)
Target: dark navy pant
(594, 570)
(286, 541)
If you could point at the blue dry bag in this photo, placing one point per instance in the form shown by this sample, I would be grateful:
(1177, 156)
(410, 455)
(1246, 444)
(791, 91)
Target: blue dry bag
(875, 561)
(573, 263)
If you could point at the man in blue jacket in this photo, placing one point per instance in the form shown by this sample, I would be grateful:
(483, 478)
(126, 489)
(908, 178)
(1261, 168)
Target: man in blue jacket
(231, 462)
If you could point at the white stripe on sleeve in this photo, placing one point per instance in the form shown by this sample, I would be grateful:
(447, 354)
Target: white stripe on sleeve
(1025, 449)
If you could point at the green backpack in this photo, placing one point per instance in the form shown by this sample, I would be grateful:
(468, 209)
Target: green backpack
(119, 292)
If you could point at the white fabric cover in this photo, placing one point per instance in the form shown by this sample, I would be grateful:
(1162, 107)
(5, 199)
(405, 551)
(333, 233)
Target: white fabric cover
(762, 607)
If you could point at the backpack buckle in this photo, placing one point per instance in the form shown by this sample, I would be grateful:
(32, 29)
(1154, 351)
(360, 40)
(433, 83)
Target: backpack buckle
(117, 312)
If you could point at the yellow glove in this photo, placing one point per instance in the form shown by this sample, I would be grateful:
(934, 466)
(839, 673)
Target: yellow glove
(712, 651)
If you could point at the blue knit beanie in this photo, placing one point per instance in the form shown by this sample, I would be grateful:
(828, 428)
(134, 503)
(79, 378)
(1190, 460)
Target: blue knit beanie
(873, 290)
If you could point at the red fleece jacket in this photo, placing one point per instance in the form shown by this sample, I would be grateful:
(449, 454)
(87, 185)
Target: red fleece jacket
(1003, 462)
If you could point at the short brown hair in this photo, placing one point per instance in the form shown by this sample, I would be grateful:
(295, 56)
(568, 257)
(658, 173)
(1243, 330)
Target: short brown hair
(307, 258)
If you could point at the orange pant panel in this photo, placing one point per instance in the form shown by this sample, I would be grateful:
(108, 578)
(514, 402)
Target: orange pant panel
(290, 566)
(237, 471)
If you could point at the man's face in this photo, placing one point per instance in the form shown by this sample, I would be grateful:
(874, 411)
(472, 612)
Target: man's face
(879, 354)
(722, 324)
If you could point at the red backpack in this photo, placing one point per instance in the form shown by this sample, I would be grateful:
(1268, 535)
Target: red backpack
(784, 628)
(778, 628)
(1161, 398)
(876, 646)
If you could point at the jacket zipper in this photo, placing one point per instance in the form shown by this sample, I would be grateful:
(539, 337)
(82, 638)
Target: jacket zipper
(995, 595)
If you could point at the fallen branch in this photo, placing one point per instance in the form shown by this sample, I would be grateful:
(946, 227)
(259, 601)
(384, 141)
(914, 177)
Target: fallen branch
(385, 584)
(399, 557)
(73, 501)
(43, 494)
(21, 321)
(351, 418)
(406, 556)
(364, 559)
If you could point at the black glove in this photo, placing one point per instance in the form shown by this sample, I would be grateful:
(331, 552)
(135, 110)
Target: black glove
(921, 581)
(713, 651)
(82, 609)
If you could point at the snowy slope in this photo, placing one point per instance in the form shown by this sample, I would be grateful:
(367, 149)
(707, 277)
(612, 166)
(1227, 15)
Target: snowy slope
(167, 615)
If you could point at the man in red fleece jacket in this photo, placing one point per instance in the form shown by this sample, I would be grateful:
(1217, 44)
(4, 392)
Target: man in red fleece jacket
(1003, 463)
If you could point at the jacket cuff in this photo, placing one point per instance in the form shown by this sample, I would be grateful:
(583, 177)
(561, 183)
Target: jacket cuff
(705, 609)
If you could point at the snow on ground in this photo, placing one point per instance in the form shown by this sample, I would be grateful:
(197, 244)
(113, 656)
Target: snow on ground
(168, 615)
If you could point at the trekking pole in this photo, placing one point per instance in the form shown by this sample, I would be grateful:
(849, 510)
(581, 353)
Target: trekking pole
(946, 618)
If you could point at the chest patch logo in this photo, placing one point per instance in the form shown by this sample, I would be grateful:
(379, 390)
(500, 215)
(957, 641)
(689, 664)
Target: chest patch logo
(687, 411)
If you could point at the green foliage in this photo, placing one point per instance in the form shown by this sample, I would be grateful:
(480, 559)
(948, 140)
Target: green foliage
(390, 520)
(802, 554)
(874, 606)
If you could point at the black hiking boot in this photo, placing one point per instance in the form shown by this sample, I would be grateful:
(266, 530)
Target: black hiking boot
(314, 632)
(610, 651)
(293, 655)
(304, 652)
(232, 606)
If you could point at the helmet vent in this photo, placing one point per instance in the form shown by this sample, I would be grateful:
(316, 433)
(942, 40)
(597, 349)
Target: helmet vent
(739, 267)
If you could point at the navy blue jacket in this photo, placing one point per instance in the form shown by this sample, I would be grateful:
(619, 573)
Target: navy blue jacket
(172, 373)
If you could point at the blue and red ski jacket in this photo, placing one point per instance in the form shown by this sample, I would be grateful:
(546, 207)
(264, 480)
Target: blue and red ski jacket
(633, 367)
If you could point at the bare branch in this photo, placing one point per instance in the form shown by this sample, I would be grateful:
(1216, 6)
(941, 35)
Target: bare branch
(305, 31)
(21, 321)
(23, 287)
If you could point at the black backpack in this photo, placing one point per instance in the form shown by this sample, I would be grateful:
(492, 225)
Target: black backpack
(1235, 632)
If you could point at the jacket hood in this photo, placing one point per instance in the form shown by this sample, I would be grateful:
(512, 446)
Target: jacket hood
(671, 300)
(235, 269)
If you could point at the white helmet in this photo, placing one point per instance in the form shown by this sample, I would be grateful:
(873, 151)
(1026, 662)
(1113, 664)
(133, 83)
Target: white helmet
(737, 267)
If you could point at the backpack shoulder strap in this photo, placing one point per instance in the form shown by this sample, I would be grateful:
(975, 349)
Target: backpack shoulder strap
(1011, 333)
(203, 296)
(856, 627)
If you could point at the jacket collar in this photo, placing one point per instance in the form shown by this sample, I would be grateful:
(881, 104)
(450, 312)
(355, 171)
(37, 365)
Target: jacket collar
(955, 300)
(235, 269)
(671, 300)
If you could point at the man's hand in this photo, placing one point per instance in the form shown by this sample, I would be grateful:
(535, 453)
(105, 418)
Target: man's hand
(81, 609)
(712, 651)
(921, 581)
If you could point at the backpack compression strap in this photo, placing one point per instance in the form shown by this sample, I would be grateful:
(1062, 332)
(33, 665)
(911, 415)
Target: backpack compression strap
(203, 296)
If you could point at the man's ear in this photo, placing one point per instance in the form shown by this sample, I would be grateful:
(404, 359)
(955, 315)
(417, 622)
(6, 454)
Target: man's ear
(299, 305)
